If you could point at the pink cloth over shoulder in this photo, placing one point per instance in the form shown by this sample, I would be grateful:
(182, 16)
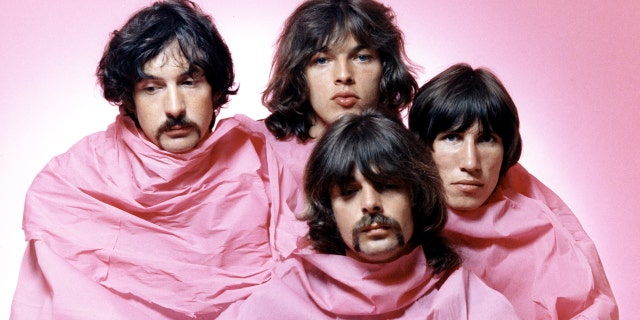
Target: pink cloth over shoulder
(291, 152)
(118, 229)
(520, 246)
(320, 286)
(521, 181)
(291, 158)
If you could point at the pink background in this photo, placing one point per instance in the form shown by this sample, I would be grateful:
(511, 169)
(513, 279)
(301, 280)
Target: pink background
(572, 67)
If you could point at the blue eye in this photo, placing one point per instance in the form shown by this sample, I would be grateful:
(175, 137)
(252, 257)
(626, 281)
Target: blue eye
(451, 137)
(321, 60)
(364, 57)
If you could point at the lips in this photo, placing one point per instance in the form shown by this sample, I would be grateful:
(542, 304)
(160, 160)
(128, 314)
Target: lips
(375, 229)
(345, 99)
(468, 185)
(178, 131)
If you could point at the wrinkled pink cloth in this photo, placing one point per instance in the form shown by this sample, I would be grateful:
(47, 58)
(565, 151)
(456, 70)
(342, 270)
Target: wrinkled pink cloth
(292, 153)
(291, 158)
(520, 246)
(520, 180)
(118, 229)
(320, 286)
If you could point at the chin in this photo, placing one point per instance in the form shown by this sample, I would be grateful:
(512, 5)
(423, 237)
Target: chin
(465, 204)
(381, 255)
(181, 146)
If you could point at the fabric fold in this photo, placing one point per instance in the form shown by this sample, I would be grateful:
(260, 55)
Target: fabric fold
(179, 236)
(516, 235)
(321, 286)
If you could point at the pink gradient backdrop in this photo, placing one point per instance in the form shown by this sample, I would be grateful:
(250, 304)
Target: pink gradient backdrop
(573, 69)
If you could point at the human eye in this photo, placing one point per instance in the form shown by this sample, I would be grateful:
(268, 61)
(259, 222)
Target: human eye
(364, 57)
(449, 137)
(320, 60)
(348, 190)
(190, 82)
(192, 78)
(488, 137)
(388, 187)
(148, 87)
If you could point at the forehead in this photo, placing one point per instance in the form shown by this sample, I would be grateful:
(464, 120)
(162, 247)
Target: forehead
(340, 41)
(169, 57)
(347, 44)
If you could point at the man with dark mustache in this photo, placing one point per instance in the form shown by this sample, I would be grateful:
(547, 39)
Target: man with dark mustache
(375, 210)
(158, 217)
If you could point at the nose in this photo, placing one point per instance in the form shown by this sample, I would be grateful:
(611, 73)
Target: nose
(174, 105)
(343, 72)
(470, 160)
(370, 200)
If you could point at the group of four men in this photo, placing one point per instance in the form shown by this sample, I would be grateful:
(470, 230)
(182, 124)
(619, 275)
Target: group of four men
(328, 208)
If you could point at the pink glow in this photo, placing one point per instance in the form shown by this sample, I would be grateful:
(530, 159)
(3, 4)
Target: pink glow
(573, 69)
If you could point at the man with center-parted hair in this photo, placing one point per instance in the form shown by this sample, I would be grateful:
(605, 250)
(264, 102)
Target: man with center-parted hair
(375, 210)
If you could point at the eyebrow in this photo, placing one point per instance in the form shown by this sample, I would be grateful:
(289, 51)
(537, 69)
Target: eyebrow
(360, 47)
(357, 48)
(197, 72)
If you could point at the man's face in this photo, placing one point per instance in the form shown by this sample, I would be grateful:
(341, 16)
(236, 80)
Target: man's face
(469, 164)
(174, 108)
(345, 78)
(374, 221)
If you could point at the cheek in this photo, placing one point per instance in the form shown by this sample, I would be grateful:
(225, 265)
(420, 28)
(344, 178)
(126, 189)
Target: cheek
(407, 221)
(202, 110)
(495, 161)
(144, 109)
(149, 122)
(444, 163)
(314, 84)
(344, 221)
(372, 87)
(205, 118)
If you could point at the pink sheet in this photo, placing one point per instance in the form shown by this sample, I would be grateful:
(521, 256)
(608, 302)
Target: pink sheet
(118, 229)
(320, 286)
(292, 154)
(291, 158)
(546, 209)
(521, 247)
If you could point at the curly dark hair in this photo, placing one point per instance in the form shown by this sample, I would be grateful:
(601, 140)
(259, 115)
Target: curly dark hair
(461, 96)
(385, 152)
(315, 25)
(147, 33)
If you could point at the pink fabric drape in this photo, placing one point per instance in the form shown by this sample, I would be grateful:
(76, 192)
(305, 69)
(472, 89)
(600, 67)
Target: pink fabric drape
(320, 286)
(520, 246)
(558, 220)
(291, 158)
(604, 304)
(118, 229)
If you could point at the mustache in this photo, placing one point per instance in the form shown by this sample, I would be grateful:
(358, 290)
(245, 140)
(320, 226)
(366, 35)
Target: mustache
(180, 121)
(378, 218)
(369, 219)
